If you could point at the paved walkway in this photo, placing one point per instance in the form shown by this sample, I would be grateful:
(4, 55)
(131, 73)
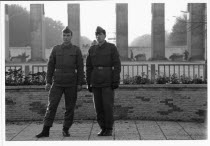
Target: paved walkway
(123, 130)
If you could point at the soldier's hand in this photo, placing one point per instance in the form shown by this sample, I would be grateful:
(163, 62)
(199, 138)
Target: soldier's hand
(79, 88)
(115, 85)
(94, 43)
(89, 88)
(47, 87)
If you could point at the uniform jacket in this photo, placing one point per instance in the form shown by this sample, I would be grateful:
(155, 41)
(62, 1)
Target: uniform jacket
(65, 66)
(103, 65)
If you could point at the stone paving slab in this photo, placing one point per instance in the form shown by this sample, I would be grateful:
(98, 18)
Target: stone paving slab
(94, 132)
(149, 130)
(28, 133)
(80, 131)
(195, 130)
(126, 130)
(123, 130)
(173, 131)
(55, 133)
(13, 129)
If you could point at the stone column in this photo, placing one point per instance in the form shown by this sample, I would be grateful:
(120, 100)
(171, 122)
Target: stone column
(196, 31)
(74, 22)
(158, 32)
(7, 53)
(37, 28)
(122, 30)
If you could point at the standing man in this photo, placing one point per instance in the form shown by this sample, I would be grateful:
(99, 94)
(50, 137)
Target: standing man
(64, 76)
(103, 76)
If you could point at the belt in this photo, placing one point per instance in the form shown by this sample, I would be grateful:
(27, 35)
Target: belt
(102, 67)
(66, 70)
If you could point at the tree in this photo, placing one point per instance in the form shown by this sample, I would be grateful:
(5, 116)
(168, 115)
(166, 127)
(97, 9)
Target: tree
(178, 36)
(145, 40)
(85, 42)
(19, 26)
(53, 30)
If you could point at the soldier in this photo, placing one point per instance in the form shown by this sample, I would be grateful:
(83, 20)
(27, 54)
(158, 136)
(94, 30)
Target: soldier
(103, 68)
(64, 76)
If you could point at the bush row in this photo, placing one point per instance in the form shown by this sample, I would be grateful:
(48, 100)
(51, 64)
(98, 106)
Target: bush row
(16, 78)
(173, 79)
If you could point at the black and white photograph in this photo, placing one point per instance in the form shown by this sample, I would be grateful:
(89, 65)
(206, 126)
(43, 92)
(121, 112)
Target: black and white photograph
(104, 72)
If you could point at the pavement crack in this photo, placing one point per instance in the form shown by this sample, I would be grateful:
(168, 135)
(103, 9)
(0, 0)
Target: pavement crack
(161, 130)
(137, 130)
(21, 131)
(91, 130)
(185, 130)
(114, 132)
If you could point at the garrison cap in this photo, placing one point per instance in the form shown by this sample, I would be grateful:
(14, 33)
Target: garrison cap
(100, 30)
(67, 30)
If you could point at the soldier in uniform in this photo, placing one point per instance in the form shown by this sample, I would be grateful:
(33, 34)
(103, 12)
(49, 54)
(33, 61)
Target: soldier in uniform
(103, 68)
(65, 72)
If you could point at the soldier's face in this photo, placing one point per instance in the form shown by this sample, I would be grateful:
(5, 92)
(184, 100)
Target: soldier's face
(100, 37)
(67, 37)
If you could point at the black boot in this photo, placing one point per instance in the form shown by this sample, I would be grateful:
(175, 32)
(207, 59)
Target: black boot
(101, 132)
(65, 132)
(108, 132)
(45, 132)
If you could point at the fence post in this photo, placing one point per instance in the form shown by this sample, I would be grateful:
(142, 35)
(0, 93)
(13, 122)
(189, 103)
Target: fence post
(27, 70)
(153, 72)
(205, 71)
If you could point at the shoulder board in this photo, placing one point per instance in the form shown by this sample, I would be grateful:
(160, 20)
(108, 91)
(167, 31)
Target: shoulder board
(57, 47)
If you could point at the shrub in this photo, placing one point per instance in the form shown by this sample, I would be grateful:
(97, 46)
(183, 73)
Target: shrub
(186, 80)
(16, 77)
(143, 79)
(186, 55)
(129, 80)
(140, 57)
(198, 80)
(174, 79)
(162, 80)
(176, 56)
(37, 78)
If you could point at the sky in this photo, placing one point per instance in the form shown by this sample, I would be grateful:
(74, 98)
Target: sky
(102, 13)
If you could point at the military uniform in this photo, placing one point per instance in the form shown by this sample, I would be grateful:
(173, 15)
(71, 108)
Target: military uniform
(65, 71)
(103, 72)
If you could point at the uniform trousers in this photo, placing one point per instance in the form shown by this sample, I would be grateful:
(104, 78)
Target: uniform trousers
(55, 94)
(104, 102)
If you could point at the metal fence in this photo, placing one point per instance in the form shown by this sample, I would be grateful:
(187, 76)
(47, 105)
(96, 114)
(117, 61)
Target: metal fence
(128, 70)
(13, 67)
(186, 70)
(39, 68)
(133, 70)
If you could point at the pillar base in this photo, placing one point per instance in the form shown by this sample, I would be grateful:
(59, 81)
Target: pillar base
(122, 58)
(37, 60)
(196, 58)
(7, 60)
(158, 58)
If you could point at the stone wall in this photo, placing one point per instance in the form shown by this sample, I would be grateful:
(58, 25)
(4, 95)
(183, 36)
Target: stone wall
(147, 51)
(15, 51)
(146, 102)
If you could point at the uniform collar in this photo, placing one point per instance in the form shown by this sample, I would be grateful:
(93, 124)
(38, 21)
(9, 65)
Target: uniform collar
(102, 43)
(64, 45)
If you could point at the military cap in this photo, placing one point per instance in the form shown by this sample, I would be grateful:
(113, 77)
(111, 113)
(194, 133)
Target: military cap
(67, 30)
(100, 30)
